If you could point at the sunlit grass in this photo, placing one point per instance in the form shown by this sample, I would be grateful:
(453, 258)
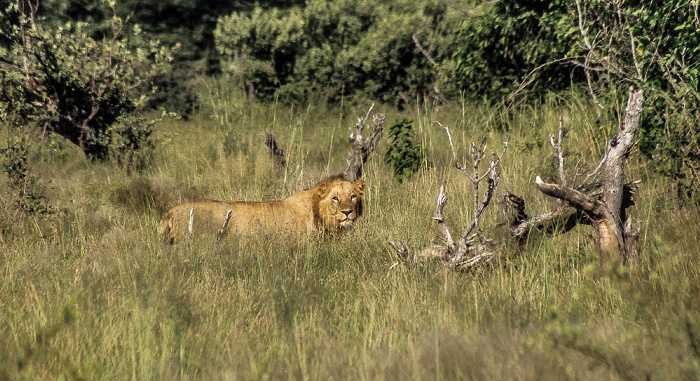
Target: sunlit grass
(92, 292)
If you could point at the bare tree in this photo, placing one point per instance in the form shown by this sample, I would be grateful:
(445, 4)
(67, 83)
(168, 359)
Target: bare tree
(601, 200)
(608, 209)
(361, 146)
(472, 247)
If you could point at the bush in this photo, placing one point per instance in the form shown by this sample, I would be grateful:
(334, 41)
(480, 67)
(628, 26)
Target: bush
(403, 154)
(63, 80)
(502, 42)
(27, 196)
(340, 48)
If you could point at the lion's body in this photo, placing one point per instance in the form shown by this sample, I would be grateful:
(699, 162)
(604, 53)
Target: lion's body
(330, 206)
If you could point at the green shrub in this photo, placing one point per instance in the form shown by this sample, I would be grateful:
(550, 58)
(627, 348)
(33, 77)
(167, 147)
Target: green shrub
(502, 42)
(403, 154)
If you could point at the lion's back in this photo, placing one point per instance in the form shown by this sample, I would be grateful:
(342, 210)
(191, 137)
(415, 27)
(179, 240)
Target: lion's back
(246, 218)
(175, 223)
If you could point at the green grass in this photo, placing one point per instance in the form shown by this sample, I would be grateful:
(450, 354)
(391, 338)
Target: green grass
(92, 292)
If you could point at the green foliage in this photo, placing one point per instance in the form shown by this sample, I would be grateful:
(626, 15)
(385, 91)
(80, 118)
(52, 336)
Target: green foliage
(676, 153)
(261, 47)
(403, 154)
(341, 48)
(133, 144)
(654, 46)
(504, 41)
(668, 48)
(62, 79)
(27, 195)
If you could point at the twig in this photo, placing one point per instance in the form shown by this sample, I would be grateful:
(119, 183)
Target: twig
(190, 228)
(220, 233)
(558, 147)
(275, 151)
(591, 52)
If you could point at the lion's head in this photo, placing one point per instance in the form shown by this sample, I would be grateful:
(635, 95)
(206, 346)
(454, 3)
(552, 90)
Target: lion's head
(337, 203)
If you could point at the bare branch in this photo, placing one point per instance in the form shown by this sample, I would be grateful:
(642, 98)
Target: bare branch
(362, 146)
(425, 53)
(580, 25)
(596, 172)
(573, 197)
(220, 233)
(558, 147)
(441, 201)
(452, 147)
(591, 52)
(634, 56)
(590, 85)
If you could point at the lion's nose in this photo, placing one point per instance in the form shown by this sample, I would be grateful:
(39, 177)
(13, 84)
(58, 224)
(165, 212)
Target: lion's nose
(346, 212)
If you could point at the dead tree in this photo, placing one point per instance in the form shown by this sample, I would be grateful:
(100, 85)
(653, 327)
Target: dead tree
(472, 247)
(276, 152)
(607, 209)
(361, 146)
(601, 200)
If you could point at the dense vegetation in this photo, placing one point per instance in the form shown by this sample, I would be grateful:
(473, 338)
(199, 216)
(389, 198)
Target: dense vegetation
(92, 158)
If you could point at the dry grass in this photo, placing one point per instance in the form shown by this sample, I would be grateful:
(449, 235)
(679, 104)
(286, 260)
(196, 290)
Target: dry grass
(92, 293)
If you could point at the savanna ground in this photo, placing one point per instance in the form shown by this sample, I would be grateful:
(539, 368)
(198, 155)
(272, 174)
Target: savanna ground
(91, 291)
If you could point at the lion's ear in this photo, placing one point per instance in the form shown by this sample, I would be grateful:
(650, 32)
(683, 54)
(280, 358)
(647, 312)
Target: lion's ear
(360, 186)
(321, 190)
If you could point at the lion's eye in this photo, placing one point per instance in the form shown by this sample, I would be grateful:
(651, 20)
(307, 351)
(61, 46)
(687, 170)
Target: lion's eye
(335, 198)
(353, 197)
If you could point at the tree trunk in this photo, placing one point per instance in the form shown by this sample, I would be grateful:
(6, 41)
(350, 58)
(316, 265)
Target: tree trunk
(615, 237)
(362, 146)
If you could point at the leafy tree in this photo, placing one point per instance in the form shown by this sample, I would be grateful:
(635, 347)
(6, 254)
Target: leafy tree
(261, 47)
(651, 46)
(62, 80)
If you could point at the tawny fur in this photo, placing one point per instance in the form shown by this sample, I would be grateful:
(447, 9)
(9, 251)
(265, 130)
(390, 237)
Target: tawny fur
(330, 206)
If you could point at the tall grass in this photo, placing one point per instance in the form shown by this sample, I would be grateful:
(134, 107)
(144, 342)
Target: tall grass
(92, 292)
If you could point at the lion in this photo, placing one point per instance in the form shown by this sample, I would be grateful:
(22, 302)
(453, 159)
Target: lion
(331, 206)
